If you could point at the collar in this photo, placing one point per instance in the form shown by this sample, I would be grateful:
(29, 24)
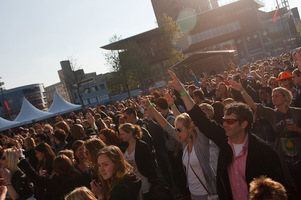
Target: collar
(245, 143)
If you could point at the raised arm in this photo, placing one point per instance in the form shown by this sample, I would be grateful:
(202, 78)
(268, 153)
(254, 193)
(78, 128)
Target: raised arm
(172, 105)
(154, 113)
(177, 85)
(245, 95)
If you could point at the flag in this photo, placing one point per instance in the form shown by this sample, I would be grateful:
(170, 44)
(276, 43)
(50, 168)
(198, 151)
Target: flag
(6, 105)
(275, 15)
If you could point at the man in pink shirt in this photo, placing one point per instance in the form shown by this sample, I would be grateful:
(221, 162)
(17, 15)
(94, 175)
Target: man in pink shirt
(243, 156)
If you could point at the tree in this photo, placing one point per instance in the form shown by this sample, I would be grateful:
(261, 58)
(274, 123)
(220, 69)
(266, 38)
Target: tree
(171, 34)
(129, 65)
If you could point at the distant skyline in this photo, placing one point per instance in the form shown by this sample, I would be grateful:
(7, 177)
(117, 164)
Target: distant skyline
(36, 36)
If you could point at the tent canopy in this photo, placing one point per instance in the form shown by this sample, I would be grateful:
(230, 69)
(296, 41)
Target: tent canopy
(6, 124)
(61, 106)
(29, 113)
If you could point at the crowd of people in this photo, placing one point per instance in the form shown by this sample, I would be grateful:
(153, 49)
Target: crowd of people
(234, 135)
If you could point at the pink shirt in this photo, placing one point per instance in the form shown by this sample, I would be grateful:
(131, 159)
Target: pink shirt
(237, 172)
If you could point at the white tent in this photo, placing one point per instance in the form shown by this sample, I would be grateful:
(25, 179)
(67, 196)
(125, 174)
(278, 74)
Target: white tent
(30, 114)
(6, 124)
(61, 106)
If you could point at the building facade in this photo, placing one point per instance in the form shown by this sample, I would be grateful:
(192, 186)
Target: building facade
(60, 88)
(210, 25)
(91, 92)
(11, 100)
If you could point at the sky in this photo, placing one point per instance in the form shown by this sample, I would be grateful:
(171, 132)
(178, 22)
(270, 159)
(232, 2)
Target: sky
(35, 35)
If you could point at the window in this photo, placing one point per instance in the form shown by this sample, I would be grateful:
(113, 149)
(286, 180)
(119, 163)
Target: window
(94, 88)
(87, 90)
(102, 86)
(93, 100)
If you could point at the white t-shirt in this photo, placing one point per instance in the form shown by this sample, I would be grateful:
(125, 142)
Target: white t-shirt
(195, 187)
(237, 148)
(145, 185)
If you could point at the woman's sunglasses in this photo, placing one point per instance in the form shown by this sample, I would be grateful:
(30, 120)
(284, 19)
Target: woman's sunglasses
(230, 121)
(179, 130)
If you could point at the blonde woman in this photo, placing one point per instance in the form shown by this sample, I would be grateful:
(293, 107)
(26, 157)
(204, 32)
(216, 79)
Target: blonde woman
(196, 159)
(18, 186)
(81, 193)
(139, 155)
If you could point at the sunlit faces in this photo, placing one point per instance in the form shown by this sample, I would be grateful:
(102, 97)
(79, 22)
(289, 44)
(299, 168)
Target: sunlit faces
(222, 88)
(124, 135)
(106, 167)
(181, 131)
(234, 127)
(40, 156)
(278, 98)
(80, 152)
(286, 83)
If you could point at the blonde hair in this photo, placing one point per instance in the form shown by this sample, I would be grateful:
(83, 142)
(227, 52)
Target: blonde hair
(208, 109)
(285, 93)
(80, 193)
(135, 129)
(266, 188)
(12, 159)
(185, 119)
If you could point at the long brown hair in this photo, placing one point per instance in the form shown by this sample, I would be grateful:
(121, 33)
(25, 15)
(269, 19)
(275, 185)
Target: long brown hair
(49, 156)
(122, 168)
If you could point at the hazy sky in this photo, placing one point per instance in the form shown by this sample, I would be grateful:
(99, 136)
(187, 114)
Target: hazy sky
(35, 35)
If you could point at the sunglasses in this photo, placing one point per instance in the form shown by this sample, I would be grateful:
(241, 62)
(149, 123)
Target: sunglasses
(282, 80)
(179, 130)
(231, 121)
(3, 157)
(125, 117)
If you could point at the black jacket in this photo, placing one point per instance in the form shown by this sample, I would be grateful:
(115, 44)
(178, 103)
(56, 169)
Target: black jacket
(261, 158)
(127, 189)
(22, 185)
(56, 187)
(145, 161)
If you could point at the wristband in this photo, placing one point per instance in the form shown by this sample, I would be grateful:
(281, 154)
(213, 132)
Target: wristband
(172, 105)
(183, 93)
(243, 91)
(150, 105)
(22, 157)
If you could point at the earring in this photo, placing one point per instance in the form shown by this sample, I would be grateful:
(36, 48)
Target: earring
(119, 174)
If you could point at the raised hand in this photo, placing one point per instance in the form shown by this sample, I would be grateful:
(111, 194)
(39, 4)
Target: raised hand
(236, 86)
(169, 99)
(175, 83)
(97, 189)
